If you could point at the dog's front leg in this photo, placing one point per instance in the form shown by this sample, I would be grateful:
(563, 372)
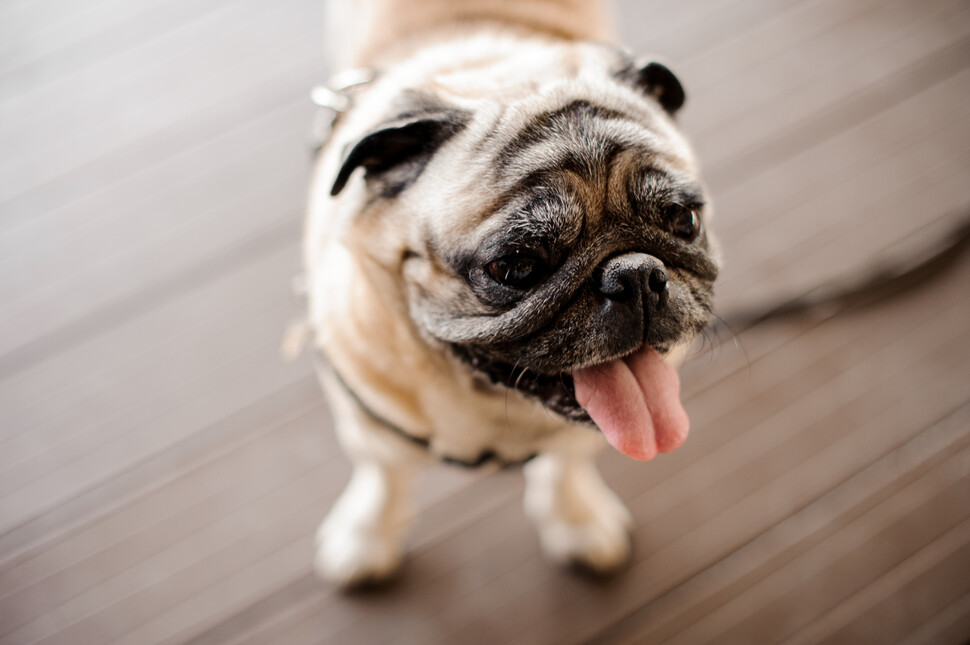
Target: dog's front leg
(580, 520)
(362, 539)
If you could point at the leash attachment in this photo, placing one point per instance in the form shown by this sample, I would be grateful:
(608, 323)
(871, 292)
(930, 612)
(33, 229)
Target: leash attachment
(333, 99)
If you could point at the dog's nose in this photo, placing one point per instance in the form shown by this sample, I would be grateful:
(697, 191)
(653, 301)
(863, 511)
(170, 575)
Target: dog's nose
(632, 277)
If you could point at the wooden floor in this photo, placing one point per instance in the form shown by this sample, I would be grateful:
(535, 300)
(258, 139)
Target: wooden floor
(162, 470)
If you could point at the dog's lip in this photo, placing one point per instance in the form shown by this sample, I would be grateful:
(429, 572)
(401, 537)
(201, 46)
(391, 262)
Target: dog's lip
(557, 392)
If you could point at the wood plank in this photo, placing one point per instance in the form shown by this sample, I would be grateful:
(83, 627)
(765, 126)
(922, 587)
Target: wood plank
(209, 61)
(750, 119)
(58, 312)
(434, 556)
(123, 505)
(907, 596)
(874, 148)
(146, 355)
(950, 625)
(164, 210)
(99, 556)
(286, 86)
(659, 27)
(120, 543)
(828, 574)
(224, 381)
(205, 572)
(858, 160)
(105, 611)
(70, 39)
(115, 300)
(681, 607)
(21, 20)
(856, 217)
(192, 616)
(144, 351)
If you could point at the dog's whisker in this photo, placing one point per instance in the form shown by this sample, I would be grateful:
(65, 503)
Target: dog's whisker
(735, 339)
(508, 417)
(508, 381)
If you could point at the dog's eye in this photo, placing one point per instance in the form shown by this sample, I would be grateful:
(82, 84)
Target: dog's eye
(516, 270)
(684, 222)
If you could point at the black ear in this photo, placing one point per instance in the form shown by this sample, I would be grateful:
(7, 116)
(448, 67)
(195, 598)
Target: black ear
(658, 81)
(394, 155)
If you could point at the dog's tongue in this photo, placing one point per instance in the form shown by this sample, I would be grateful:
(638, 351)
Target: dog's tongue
(635, 401)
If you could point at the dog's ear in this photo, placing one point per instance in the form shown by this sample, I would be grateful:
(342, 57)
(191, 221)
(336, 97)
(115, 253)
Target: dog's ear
(659, 82)
(396, 152)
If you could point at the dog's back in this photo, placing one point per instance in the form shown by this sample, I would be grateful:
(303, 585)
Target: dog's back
(365, 33)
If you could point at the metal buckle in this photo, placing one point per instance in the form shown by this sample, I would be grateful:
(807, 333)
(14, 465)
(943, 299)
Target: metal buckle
(333, 99)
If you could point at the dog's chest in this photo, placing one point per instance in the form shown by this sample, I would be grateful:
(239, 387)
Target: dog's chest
(470, 423)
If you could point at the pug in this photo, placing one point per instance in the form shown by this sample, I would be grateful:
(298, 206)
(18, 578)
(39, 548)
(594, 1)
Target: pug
(506, 254)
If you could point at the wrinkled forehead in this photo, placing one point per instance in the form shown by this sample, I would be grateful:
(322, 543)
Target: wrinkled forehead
(577, 157)
(589, 141)
(571, 118)
(547, 99)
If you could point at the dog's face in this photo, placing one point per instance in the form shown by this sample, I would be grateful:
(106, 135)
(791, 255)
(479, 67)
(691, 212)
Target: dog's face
(535, 232)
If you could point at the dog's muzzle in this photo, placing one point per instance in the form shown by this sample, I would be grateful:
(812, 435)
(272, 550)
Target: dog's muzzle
(634, 286)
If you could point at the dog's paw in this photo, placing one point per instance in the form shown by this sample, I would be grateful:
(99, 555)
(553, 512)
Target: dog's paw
(600, 545)
(355, 556)
(581, 522)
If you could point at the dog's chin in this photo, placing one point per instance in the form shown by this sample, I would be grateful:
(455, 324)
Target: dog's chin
(555, 391)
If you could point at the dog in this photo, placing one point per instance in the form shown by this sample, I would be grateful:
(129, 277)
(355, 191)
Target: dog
(506, 254)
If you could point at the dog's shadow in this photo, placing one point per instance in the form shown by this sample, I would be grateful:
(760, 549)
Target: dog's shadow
(419, 576)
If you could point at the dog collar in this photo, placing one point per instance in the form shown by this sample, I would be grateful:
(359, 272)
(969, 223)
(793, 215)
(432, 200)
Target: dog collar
(487, 456)
(296, 337)
(334, 98)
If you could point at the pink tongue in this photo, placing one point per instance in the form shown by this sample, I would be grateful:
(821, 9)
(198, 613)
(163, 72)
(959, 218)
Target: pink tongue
(635, 401)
